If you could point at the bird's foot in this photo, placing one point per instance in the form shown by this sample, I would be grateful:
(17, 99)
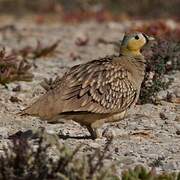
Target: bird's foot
(95, 133)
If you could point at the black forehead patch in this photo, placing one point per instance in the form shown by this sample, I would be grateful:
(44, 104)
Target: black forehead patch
(147, 40)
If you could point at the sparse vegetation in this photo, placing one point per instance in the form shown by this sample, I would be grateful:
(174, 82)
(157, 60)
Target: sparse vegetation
(22, 160)
(13, 68)
(37, 52)
(163, 59)
(141, 173)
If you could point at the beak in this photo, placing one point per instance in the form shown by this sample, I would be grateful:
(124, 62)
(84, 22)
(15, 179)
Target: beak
(149, 38)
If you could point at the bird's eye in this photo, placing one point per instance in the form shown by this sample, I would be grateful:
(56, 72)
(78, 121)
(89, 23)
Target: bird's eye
(136, 37)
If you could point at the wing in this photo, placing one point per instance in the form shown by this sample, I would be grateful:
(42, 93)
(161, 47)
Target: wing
(100, 86)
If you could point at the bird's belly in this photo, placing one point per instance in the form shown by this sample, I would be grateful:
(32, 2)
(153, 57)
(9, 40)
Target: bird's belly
(84, 118)
(90, 118)
(116, 117)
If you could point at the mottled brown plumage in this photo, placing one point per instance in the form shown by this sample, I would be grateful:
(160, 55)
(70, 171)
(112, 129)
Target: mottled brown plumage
(98, 91)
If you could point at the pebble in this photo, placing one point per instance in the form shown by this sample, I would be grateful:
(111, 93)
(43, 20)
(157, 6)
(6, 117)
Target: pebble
(127, 161)
(177, 92)
(169, 166)
(3, 132)
(94, 145)
(168, 115)
(109, 133)
(162, 95)
(177, 118)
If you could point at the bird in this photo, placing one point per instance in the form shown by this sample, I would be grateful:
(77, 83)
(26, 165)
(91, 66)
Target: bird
(99, 91)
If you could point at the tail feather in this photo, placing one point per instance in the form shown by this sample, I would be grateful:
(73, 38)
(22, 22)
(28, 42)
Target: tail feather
(44, 108)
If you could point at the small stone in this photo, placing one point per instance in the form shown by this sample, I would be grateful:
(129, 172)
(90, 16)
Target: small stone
(74, 56)
(109, 133)
(129, 153)
(170, 166)
(17, 88)
(127, 161)
(3, 132)
(81, 39)
(177, 118)
(162, 116)
(116, 149)
(167, 116)
(14, 99)
(151, 75)
(162, 95)
(171, 97)
(177, 92)
(177, 108)
(94, 145)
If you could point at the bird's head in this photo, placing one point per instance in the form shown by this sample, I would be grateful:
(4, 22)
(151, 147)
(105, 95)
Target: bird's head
(132, 43)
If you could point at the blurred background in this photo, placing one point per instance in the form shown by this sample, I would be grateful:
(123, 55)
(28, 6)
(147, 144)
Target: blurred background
(101, 10)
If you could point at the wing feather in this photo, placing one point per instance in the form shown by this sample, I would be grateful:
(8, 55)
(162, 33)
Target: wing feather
(100, 86)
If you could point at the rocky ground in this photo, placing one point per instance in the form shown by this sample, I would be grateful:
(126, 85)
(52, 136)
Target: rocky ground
(149, 136)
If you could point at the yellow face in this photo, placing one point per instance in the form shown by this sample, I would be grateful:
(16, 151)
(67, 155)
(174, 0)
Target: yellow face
(133, 43)
(136, 42)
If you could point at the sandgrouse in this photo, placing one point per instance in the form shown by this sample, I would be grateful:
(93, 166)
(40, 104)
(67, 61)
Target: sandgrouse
(98, 91)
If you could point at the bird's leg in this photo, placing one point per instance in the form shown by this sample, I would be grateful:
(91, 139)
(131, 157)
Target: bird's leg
(93, 128)
(94, 132)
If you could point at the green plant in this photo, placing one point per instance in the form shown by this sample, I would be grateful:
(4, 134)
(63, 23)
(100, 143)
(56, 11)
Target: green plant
(141, 173)
(162, 58)
(24, 161)
(46, 158)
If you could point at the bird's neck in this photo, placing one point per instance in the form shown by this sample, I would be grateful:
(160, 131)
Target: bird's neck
(126, 51)
(135, 64)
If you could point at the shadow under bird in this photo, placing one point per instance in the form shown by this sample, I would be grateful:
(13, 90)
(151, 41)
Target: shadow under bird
(98, 91)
